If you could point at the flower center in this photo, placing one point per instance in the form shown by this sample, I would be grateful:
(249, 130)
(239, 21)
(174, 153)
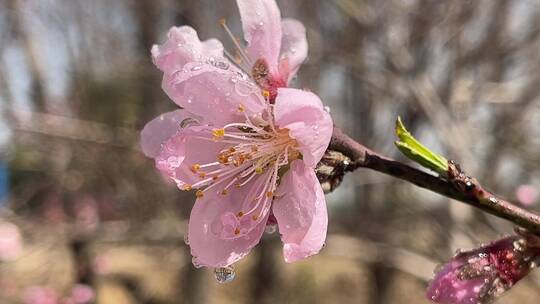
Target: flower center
(255, 148)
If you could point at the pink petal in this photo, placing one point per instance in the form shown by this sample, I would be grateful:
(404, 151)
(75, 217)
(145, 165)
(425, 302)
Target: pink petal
(161, 128)
(212, 222)
(183, 46)
(190, 146)
(261, 22)
(303, 114)
(294, 46)
(213, 93)
(301, 213)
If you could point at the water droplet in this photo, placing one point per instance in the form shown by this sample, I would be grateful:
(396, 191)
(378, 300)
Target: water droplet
(270, 229)
(196, 68)
(173, 162)
(222, 65)
(224, 274)
(261, 23)
(244, 88)
(327, 109)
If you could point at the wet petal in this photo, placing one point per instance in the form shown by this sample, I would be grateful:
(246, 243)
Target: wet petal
(261, 22)
(303, 114)
(300, 210)
(190, 146)
(294, 47)
(161, 128)
(183, 46)
(213, 93)
(213, 223)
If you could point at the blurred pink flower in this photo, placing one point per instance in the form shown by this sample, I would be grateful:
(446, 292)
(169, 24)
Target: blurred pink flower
(40, 295)
(247, 143)
(82, 294)
(482, 274)
(527, 194)
(11, 243)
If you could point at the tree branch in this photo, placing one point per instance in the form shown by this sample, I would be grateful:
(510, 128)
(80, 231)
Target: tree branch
(457, 185)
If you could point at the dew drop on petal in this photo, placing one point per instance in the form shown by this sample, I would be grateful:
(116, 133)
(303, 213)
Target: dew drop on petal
(327, 109)
(224, 274)
(270, 229)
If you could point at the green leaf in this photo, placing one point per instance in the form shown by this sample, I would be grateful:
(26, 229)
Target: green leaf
(416, 151)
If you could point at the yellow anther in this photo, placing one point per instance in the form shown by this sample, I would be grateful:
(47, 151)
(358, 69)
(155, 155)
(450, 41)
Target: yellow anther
(236, 231)
(237, 185)
(232, 150)
(199, 193)
(255, 217)
(254, 148)
(222, 21)
(259, 170)
(218, 133)
(270, 193)
(202, 175)
(187, 187)
(224, 192)
(215, 177)
(240, 214)
(266, 93)
(195, 168)
(241, 108)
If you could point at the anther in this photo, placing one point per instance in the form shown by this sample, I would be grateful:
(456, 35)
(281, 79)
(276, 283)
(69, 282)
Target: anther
(187, 187)
(218, 133)
(255, 217)
(195, 168)
(266, 93)
(236, 231)
(241, 108)
(269, 193)
(224, 192)
(259, 170)
(240, 214)
(199, 193)
(222, 21)
(202, 175)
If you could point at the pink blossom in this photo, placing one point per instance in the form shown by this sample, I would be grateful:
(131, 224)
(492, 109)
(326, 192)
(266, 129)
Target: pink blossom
(244, 141)
(527, 194)
(482, 274)
(82, 294)
(11, 244)
(40, 295)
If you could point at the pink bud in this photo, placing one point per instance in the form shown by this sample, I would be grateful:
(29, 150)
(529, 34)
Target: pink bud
(482, 274)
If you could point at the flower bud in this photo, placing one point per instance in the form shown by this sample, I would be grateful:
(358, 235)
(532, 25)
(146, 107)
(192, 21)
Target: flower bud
(480, 275)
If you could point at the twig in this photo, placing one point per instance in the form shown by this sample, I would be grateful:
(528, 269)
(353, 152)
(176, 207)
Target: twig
(456, 185)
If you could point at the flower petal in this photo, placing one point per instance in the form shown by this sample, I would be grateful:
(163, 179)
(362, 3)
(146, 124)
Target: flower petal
(294, 46)
(161, 128)
(213, 93)
(212, 220)
(261, 22)
(301, 213)
(303, 114)
(190, 146)
(183, 46)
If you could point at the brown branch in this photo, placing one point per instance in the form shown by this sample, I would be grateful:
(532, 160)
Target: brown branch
(456, 185)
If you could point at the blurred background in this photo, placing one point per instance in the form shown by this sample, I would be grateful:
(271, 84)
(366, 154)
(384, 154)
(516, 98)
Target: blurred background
(84, 216)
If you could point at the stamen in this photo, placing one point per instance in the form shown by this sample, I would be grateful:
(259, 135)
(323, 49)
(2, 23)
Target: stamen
(236, 231)
(199, 194)
(241, 108)
(240, 50)
(254, 217)
(240, 214)
(218, 133)
(195, 168)
(259, 170)
(187, 187)
(269, 193)
(266, 93)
